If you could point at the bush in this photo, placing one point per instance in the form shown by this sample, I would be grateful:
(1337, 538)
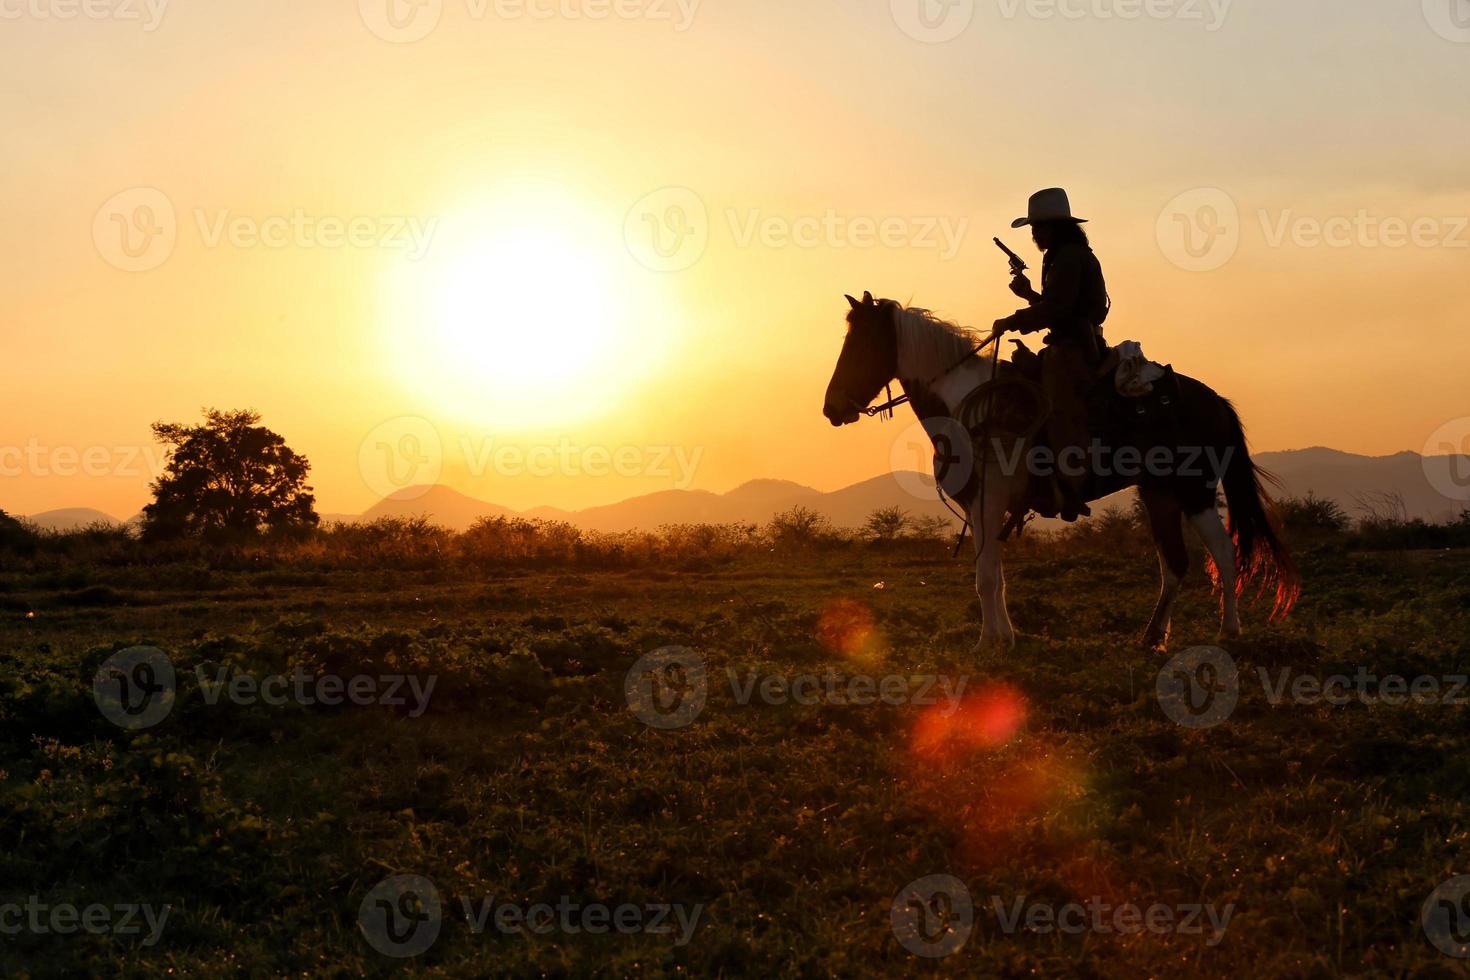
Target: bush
(15, 536)
(886, 525)
(501, 539)
(1312, 515)
(800, 528)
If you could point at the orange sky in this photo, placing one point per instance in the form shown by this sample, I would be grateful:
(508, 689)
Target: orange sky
(425, 244)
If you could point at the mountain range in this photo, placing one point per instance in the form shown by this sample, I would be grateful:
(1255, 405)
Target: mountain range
(1360, 484)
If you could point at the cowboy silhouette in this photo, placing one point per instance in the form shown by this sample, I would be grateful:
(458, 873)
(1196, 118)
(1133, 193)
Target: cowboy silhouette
(1072, 305)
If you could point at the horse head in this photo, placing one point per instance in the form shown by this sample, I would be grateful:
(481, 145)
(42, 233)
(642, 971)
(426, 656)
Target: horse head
(869, 360)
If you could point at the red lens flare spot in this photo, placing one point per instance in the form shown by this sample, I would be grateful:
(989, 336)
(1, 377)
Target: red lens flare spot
(987, 719)
(847, 627)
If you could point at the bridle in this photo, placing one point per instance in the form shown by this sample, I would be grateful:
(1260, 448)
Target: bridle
(886, 409)
(885, 412)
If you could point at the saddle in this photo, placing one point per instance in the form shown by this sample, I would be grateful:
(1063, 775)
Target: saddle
(1129, 404)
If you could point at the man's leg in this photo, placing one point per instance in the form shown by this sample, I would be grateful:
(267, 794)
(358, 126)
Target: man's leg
(1064, 377)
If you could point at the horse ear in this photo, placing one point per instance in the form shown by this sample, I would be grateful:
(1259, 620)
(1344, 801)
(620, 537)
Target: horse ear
(868, 298)
(855, 303)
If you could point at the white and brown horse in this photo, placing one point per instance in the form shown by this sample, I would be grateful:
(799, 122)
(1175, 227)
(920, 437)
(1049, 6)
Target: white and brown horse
(938, 366)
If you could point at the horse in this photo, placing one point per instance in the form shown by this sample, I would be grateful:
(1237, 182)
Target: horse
(940, 369)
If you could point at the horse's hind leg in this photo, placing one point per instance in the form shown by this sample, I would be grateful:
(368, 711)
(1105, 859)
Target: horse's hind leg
(1166, 520)
(1212, 531)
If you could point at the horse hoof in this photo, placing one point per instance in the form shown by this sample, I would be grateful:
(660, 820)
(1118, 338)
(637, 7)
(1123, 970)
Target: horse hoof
(1226, 635)
(994, 644)
(1153, 643)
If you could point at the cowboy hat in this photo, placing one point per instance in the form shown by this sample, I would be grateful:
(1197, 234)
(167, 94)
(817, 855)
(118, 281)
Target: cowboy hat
(1048, 205)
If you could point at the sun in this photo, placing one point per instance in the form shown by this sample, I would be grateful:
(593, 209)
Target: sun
(521, 317)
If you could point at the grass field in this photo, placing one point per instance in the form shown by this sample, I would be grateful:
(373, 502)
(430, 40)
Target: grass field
(777, 834)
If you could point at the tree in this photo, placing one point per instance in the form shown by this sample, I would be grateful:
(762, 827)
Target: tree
(886, 524)
(228, 475)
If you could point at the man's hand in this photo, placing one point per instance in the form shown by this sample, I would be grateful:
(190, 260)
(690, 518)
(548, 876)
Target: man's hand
(1000, 327)
(1021, 286)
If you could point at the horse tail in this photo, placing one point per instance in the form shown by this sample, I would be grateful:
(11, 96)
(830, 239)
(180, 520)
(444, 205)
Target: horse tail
(1260, 554)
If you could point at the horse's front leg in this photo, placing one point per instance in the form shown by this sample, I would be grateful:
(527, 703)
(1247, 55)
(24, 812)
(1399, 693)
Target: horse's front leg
(987, 516)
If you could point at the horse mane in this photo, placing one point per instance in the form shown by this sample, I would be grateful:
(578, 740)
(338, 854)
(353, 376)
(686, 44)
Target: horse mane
(928, 344)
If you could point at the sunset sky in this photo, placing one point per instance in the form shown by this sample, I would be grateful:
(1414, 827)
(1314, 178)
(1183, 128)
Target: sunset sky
(423, 239)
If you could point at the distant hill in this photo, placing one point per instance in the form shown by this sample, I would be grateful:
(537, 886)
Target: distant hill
(1354, 481)
(1351, 480)
(444, 505)
(70, 519)
(755, 502)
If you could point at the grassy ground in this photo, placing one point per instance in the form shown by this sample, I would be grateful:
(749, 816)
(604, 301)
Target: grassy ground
(791, 826)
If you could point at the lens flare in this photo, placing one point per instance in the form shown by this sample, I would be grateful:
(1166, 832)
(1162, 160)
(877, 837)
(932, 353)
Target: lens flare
(987, 719)
(847, 627)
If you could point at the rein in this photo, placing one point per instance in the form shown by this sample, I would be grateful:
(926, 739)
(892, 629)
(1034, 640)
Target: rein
(885, 411)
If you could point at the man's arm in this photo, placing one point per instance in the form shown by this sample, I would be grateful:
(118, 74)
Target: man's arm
(1060, 300)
